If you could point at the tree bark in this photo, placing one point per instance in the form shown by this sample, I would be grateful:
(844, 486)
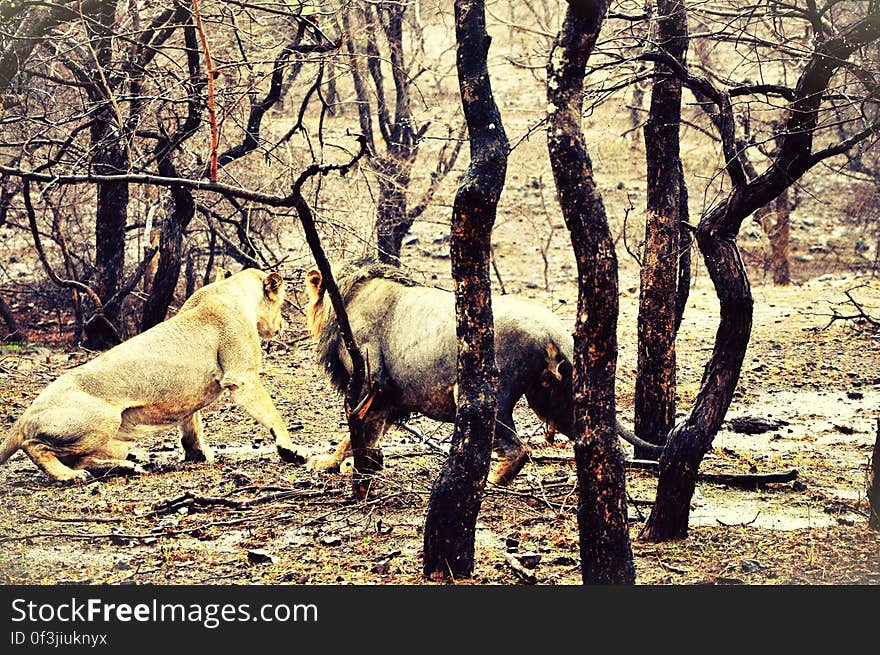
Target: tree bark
(778, 233)
(13, 333)
(111, 157)
(164, 284)
(655, 377)
(874, 488)
(606, 555)
(457, 493)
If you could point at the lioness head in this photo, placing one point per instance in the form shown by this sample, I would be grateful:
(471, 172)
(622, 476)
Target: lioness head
(269, 320)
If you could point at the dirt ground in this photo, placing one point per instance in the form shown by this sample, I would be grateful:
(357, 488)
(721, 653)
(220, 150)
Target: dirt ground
(293, 526)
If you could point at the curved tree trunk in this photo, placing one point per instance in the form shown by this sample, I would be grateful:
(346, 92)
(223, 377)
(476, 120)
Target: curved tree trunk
(606, 555)
(655, 379)
(112, 158)
(457, 493)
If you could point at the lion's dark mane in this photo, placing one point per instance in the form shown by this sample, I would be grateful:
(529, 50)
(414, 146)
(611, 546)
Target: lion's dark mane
(349, 279)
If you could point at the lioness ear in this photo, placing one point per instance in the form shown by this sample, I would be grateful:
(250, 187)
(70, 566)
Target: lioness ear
(272, 286)
(313, 284)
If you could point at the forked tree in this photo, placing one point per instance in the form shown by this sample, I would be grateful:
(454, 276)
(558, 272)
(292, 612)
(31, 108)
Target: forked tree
(375, 36)
(457, 493)
(606, 555)
(808, 104)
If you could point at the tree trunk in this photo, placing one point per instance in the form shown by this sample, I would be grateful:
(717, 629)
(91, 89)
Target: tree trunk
(457, 493)
(170, 251)
(683, 286)
(111, 157)
(8, 317)
(778, 234)
(392, 217)
(655, 379)
(690, 441)
(606, 555)
(874, 488)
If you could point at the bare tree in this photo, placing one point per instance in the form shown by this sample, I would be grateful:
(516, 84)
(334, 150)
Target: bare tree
(716, 233)
(367, 26)
(606, 556)
(457, 493)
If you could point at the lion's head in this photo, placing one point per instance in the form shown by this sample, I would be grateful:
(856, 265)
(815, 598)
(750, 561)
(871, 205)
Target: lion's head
(270, 322)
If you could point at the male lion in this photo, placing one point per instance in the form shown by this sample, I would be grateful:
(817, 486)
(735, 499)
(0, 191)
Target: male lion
(407, 331)
(88, 417)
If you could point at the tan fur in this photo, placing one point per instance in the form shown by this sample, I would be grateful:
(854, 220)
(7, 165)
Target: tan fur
(88, 417)
(315, 313)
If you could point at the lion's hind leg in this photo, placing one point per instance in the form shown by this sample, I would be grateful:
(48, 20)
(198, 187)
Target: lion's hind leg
(512, 453)
(46, 458)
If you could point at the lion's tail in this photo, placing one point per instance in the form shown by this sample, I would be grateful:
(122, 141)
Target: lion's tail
(11, 443)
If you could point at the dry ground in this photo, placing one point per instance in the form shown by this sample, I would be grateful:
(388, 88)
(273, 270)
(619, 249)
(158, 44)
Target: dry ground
(824, 383)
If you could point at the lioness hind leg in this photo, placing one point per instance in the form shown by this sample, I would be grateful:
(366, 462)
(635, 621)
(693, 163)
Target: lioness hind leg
(194, 447)
(47, 459)
(97, 465)
(254, 399)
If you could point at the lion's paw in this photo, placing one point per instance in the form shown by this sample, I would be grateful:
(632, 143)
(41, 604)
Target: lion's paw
(322, 463)
(290, 455)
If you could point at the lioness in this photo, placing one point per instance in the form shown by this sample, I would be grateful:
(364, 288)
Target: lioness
(408, 333)
(88, 417)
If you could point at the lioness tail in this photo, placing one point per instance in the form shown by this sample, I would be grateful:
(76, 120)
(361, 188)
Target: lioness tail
(11, 443)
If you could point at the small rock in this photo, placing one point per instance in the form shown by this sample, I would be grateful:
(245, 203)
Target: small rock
(529, 560)
(797, 485)
(511, 543)
(564, 560)
(260, 556)
(121, 566)
(331, 540)
(855, 395)
(752, 565)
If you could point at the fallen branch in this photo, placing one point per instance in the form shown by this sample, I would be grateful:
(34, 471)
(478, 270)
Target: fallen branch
(191, 501)
(748, 481)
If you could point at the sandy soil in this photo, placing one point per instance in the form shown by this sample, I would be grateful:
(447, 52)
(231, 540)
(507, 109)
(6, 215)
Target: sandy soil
(305, 528)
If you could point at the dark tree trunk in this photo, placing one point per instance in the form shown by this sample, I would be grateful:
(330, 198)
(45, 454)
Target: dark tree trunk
(874, 487)
(182, 210)
(111, 158)
(8, 317)
(655, 379)
(457, 493)
(606, 555)
(683, 285)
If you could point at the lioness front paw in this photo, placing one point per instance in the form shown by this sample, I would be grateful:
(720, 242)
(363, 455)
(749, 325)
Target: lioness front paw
(290, 455)
(323, 463)
(205, 456)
